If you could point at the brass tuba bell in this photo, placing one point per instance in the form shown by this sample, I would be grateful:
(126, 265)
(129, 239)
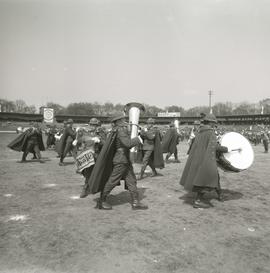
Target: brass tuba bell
(176, 124)
(133, 109)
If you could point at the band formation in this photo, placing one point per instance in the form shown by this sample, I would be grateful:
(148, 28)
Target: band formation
(104, 157)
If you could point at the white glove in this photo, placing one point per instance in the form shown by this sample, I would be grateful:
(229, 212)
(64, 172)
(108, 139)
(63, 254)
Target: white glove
(139, 137)
(96, 139)
(57, 136)
(74, 142)
(77, 129)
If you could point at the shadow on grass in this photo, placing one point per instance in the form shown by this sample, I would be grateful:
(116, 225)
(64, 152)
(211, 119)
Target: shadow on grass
(34, 160)
(226, 194)
(123, 197)
(69, 163)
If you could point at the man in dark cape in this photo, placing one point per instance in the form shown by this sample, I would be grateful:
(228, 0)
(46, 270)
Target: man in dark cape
(65, 144)
(29, 141)
(265, 140)
(92, 140)
(113, 164)
(170, 142)
(200, 173)
(152, 149)
(158, 160)
(103, 166)
(51, 131)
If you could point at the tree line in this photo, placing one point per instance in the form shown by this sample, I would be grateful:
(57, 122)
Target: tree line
(107, 109)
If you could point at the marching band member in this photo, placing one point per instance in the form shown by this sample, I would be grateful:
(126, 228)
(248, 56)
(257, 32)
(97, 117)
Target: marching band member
(65, 144)
(265, 140)
(92, 142)
(170, 142)
(50, 132)
(113, 164)
(152, 150)
(29, 141)
(200, 173)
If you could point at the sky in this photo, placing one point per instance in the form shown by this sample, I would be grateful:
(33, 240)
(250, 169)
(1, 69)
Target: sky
(159, 52)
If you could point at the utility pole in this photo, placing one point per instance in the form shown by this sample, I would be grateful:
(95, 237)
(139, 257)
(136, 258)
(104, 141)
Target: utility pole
(210, 93)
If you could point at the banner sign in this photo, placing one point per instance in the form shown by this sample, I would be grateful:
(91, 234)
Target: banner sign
(85, 160)
(48, 115)
(169, 114)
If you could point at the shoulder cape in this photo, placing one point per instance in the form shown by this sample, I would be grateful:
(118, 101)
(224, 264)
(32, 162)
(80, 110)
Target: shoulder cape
(104, 165)
(20, 142)
(158, 154)
(170, 141)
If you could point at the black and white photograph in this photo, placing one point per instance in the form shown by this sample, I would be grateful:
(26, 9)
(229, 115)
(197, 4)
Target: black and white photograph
(134, 136)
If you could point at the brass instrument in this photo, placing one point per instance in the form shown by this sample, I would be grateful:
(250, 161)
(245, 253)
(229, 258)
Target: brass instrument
(133, 109)
(176, 124)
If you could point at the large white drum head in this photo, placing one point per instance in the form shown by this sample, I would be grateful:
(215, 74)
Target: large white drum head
(242, 159)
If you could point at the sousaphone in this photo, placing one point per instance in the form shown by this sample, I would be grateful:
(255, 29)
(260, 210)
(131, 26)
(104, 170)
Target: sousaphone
(133, 109)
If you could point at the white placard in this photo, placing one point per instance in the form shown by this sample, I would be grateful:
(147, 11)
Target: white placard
(48, 115)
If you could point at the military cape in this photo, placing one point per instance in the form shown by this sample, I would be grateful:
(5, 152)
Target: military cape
(170, 141)
(20, 142)
(103, 166)
(158, 154)
(201, 166)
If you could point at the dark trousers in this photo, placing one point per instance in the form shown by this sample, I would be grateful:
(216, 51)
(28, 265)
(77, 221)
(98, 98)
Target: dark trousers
(50, 140)
(121, 172)
(148, 160)
(31, 146)
(202, 190)
(175, 154)
(265, 144)
(87, 173)
(68, 148)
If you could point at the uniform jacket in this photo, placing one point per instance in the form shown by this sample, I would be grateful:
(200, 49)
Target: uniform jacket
(114, 151)
(148, 139)
(123, 145)
(201, 166)
(68, 136)
(87, 142)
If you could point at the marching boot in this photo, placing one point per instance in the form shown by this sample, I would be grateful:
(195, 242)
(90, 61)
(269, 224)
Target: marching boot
(103, 204)
(167, 159)
(154, 172)
(136, 204)
(220, 197)
(24, 157)
(140, 177)
(84, 192)
(199, 202)
(177, 160)
(61, 162)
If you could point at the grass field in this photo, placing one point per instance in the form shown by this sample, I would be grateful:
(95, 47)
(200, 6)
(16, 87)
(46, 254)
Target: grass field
(45, 227)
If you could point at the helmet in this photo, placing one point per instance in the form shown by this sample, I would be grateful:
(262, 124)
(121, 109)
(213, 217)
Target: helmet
(94, 121)
(210, 118)
(69, 121)
(150, 121)
(117, 117)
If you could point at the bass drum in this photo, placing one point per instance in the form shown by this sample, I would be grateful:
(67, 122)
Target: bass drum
(240, 158)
